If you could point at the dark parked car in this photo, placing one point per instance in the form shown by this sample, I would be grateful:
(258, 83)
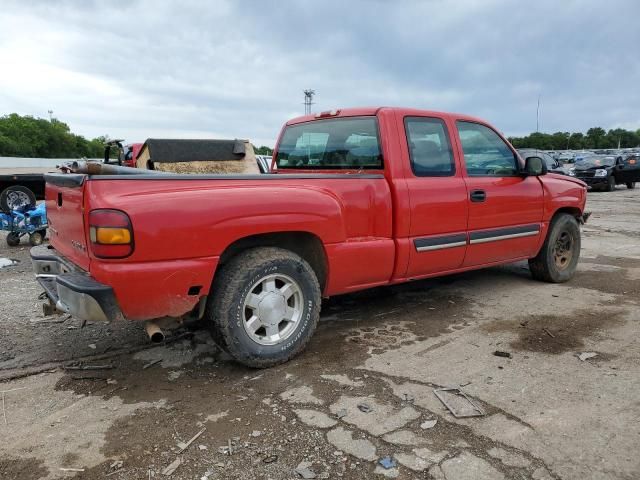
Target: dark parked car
(606, 171)
(553, 165)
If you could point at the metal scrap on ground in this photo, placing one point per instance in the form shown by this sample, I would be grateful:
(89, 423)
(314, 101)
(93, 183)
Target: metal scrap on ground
(587, 355)
(458, 403)
(172, 467)
(183, 446)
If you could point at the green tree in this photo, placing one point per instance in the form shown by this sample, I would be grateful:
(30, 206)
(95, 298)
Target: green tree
(26, 136)
(263, 150)
(595, 138)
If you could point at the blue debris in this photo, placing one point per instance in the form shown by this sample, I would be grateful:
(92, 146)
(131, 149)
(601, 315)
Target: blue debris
(387, 462)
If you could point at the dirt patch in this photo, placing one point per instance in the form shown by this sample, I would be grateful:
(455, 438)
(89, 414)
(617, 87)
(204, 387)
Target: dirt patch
(556, 334)
(616, 282)
(623, 262)
(22, 468)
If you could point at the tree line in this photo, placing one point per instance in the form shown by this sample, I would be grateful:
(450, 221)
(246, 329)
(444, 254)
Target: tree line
(30, 137)
(27, 136)
(595, 138)
(263, 150)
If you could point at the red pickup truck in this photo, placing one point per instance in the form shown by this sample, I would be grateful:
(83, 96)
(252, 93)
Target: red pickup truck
(357, 198)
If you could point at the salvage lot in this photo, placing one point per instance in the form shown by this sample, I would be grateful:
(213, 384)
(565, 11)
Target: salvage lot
(362, 391)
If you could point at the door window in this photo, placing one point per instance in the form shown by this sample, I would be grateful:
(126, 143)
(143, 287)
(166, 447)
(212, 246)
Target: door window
(429, 147)
(485, 153)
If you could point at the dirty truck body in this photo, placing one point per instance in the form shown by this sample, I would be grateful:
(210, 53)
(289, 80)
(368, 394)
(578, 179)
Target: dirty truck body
(358, 198)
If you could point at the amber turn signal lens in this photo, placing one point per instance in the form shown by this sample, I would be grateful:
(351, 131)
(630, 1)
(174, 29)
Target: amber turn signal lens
(110, 235)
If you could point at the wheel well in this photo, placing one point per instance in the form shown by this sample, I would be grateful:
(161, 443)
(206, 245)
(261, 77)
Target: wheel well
(573, 211)
(305, 244)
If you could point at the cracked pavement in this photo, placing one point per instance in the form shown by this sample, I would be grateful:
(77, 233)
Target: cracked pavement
(363, 389)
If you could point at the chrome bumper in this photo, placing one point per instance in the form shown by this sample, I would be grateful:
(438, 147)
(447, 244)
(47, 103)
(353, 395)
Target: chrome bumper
(72, 290)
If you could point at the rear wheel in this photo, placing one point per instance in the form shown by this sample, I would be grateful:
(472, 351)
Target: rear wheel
(558, 258)
(13, 239)
(36, 238)
(265, 306)
(631, 185)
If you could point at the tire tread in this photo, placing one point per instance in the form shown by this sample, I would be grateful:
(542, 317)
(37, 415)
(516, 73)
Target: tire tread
(229, 281)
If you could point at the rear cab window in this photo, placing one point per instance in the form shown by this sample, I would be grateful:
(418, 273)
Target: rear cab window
(429, 147)
(350, 143)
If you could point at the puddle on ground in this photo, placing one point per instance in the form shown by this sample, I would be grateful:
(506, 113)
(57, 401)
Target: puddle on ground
(556, 334)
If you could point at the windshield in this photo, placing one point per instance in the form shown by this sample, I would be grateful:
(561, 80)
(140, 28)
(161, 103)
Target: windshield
(341, 143)
(594, 161)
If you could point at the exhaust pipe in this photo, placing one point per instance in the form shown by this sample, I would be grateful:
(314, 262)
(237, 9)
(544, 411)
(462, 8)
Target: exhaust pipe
(97, 168)
(156, 335)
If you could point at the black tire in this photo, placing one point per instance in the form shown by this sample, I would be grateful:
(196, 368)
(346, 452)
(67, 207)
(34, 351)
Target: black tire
(13, 239)
(611, 184)
(552, 264)
(16, 196)
(36, 238)
(631, 185)
(234, 289)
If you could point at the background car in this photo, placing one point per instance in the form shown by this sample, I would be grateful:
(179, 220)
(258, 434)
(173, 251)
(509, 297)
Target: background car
(553, 165)
(604, 172)
(264, 163)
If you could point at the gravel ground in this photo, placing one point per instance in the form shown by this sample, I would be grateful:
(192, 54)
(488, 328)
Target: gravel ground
(362, 391)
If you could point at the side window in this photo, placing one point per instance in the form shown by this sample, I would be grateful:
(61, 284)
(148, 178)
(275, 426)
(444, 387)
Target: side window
(485, 153)
(429, 147)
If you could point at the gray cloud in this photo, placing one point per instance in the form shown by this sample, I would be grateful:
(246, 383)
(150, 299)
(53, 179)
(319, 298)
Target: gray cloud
(142, 68)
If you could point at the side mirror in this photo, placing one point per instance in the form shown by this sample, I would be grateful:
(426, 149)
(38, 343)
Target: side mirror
(535, 166)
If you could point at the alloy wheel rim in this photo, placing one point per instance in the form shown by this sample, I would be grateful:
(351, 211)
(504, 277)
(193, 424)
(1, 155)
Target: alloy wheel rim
(17, 199)
(272, 309)
(563, 250)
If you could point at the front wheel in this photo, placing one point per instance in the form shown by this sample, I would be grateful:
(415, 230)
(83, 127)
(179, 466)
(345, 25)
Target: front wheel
(264, 307)
(558, 258)
(611, 184)
(631, 185)
(13, 239)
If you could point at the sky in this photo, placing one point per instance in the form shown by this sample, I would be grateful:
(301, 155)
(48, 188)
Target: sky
(136, 69)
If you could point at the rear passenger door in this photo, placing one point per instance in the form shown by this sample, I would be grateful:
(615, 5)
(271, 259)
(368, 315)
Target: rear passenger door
(505, 208)
(437, 196)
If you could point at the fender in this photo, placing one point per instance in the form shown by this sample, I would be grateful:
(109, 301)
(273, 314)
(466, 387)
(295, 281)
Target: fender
(562, 193)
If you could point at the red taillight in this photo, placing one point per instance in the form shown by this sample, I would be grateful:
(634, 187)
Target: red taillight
(110, 233)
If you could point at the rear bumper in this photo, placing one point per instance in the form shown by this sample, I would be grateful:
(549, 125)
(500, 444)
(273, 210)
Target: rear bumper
(71, 290)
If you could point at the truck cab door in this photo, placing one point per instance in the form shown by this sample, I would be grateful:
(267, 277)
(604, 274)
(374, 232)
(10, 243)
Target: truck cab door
(437, 196)
(505, 208)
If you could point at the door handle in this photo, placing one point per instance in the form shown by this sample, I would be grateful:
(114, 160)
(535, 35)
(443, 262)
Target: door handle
(478, 195)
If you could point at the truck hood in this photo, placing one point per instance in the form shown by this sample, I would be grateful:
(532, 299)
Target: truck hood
(567, 178)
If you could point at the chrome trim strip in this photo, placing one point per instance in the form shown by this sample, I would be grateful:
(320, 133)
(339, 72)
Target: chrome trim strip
(441, 246)
(504, 237)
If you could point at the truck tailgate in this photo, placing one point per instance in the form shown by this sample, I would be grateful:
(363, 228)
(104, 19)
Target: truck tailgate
(64, 198)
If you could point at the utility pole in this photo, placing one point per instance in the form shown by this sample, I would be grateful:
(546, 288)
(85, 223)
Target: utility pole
(308, 101)
(538, 115)
(50, 115)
